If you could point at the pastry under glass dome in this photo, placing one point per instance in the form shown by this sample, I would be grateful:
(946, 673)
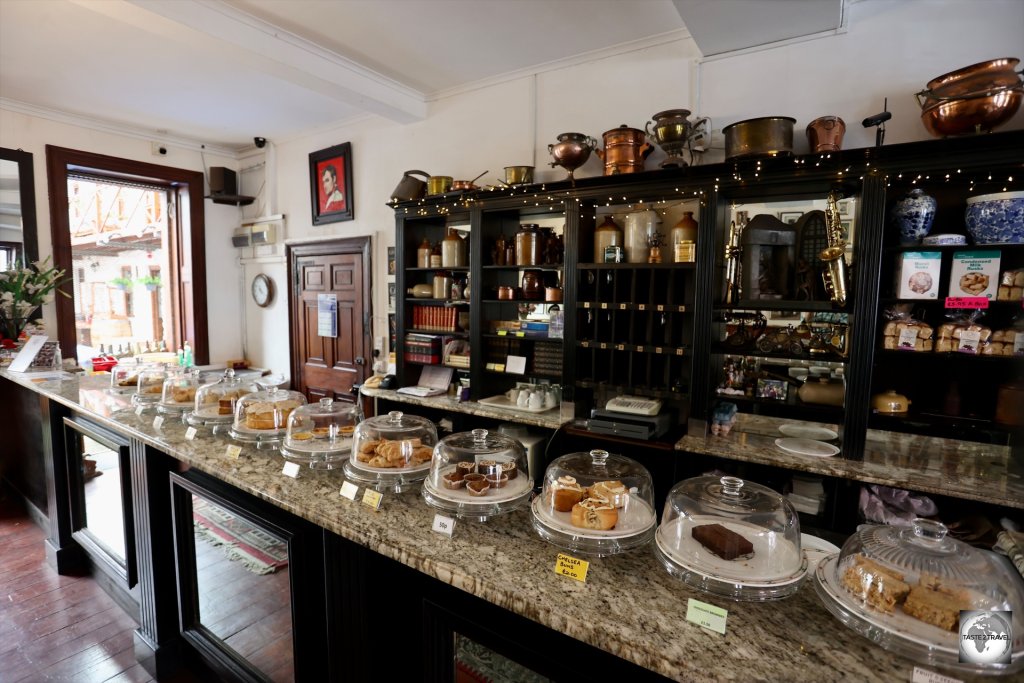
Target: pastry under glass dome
(124, 377)
(150, 386)
(320, 434)
(904, 588)
(595, 503)
(391, 452)
(478, 475)
(731, 537)
(261, 417)
(215, 401)
(179, 392)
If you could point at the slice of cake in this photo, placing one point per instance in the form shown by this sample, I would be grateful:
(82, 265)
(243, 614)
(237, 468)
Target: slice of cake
(933, 604)
(878, 586)
(725, 543)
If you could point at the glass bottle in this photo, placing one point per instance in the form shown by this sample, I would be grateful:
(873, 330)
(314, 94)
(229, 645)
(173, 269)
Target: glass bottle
(423, 254)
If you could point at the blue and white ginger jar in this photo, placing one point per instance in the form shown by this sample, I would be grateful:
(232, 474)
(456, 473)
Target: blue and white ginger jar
(913, 215)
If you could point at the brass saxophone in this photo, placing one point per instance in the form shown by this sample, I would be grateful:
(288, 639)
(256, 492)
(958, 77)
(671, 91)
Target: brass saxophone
(834, 274)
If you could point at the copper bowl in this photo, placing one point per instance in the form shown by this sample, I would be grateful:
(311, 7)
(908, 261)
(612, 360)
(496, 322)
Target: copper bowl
(976, 98)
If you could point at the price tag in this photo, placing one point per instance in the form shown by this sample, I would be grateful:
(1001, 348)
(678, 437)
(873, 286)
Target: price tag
(1018, 343)
(966, 302)
(520, 334)
(233, 452)
(573, 567)
(349, 490)
(443, 525)
(908, 339)
(158, 422)
(969, 342)
(190, 433)
(926, 676)
(708, 616)
(502, 333)
(138, 410)
(372, 498)
(291, 469)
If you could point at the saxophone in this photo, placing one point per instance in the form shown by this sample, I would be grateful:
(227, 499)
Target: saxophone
(834, 274)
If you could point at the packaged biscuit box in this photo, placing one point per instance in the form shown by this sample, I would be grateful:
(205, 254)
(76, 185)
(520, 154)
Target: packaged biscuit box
(917, 274)
(975, 273)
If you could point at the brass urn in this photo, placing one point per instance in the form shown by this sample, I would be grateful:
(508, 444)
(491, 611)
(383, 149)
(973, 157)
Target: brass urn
(571, 151)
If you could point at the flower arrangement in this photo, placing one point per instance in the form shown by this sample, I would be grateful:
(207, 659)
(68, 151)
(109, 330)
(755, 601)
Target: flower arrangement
(150, 282)
(22, 291)
(120, 283)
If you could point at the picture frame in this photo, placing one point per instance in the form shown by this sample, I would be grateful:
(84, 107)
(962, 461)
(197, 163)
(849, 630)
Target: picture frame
(844, 208)
(391, 260)
(330, 184)
(790, 217)
(847, 228)
(391, 296)
(773, 389)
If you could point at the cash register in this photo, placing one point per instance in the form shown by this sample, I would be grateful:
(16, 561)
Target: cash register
(630, 416)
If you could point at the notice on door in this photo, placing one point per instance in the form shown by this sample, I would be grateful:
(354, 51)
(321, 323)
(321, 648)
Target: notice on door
(327, 315)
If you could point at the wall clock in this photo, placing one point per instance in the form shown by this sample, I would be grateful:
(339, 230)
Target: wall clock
(262, 290)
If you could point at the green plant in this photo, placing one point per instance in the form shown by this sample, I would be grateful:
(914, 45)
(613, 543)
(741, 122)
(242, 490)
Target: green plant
(22, 291)
(121, 282)
(149, 281)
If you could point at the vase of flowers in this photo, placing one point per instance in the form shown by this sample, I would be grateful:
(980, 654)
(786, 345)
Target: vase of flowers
(22, 291)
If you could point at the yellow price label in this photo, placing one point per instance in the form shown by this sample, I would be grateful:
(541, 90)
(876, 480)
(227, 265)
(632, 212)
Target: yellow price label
(520, 334)
(502, 333)
(372, 498)
(573, 567)
(233, 452)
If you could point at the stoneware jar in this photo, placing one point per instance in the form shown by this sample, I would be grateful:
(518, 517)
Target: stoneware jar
(606, 235)
(912, 215)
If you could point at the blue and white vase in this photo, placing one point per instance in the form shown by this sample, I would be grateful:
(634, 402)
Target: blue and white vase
(913, 214)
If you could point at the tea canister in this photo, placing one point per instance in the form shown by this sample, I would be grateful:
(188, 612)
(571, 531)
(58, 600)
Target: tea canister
(606, 235)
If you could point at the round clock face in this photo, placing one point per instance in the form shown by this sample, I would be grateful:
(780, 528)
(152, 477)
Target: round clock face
(262, 290)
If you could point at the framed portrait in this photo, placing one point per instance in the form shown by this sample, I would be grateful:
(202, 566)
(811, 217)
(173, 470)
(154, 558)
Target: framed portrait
(391, 260)
(330, 183)
(844, 208)
(790, 217)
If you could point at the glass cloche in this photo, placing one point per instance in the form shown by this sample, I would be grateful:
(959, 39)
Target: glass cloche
(595, 503)
(731, 537)
(150, 386)
(215, 401)
(391, 452)
(124, 377)
(179, 392)
(321, 434)
(904, 588)
(261, 417)
(478, 475)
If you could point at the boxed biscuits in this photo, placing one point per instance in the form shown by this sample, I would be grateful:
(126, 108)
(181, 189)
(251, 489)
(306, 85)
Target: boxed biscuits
(975, 273)
(917, 274)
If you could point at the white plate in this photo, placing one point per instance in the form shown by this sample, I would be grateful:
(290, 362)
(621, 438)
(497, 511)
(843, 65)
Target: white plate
(318, 445)
(763, 569)
(636, 519)
(514, 489)
(808, 432)
(354, 462)
(212, 413)
(818, 449)
(816, 549)
(242, 429)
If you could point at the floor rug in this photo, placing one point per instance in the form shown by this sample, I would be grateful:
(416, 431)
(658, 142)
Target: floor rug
(258, 551)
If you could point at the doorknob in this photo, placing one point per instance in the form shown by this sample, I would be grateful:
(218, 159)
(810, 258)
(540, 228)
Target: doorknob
(360, 360)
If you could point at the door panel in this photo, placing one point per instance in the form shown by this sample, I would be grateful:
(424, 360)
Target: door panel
(330, 366)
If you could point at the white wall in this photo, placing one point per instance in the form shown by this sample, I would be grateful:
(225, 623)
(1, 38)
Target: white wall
(33, 133)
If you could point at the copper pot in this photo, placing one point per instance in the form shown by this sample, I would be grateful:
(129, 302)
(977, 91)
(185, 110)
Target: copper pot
(766, 136)
(506, 293)
(571, 151)
(467, 185)
(439, 184)
(825, 134)
(624, 150)
(518, 175)
(976, 98)
(553, 294)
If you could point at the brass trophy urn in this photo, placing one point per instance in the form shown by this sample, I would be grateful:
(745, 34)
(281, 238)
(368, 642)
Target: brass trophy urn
(571, 151)
(673, 132)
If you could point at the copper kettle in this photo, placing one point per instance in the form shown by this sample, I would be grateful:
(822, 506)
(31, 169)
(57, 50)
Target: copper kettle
(625, 150)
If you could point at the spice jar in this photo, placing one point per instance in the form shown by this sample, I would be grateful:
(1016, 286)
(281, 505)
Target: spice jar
(453, 250)
(607, 234)
(423, 254)
(528, 245)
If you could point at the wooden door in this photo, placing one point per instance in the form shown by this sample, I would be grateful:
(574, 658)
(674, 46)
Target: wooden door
(324, 366)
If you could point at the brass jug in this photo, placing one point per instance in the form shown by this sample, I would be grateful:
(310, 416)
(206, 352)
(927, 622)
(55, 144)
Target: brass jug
(625, 150)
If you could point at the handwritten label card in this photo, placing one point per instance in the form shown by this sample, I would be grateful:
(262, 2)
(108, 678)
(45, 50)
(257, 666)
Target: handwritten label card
(190, 433)
(233, 452)
(372, 498)
(138, 410)
(708, 616)
(349, 490)
(573, 567)
(443, 525)
(291, 469)
(158, 422)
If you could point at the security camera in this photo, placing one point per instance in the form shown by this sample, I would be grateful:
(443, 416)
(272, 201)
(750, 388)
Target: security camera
(877, 119)
(260, 142)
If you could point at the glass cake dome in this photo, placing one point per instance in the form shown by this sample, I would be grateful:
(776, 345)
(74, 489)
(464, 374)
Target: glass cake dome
(261, 417)
(478, 475)
(904, 588)
(124, 377)
(595, 503)
(320, 434)
(731, 537)
(215, 401)
(391, 452)
(179, 392)
(150, 386)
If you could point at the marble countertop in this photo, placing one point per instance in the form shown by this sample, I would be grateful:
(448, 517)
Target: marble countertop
(629, 605)
(961, 469)
(549, 419)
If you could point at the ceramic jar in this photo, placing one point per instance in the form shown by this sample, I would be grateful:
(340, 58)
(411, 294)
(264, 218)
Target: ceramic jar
(532, 285)
(421, 291)
(685, 230)
(912, 215)
(423, 254)
(529, 251)
(640, 228)
(606, 235)
(453, 251)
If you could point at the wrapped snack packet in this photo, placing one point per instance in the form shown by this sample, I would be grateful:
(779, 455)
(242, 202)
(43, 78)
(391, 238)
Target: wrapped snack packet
(905, 333)
(962, 334)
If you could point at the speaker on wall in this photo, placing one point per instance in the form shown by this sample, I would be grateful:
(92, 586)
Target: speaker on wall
(223, 181)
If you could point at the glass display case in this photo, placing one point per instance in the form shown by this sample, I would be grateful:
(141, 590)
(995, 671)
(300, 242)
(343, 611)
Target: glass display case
(905, 588)
(321, 435)
(150, 386)
(391, 452)
(261, 417)
(179, 392)
(478, 475)
(732, 538)
(124, 377)
(595, 503)
(215, 401)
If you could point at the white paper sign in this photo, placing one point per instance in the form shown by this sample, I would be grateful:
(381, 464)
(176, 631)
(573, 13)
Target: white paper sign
(516, 365)
(190, 433)
(158, 422)
(327, 315)
(291, 469)
(926, 676)
(443, 525)
(27, 353)
(349, 490)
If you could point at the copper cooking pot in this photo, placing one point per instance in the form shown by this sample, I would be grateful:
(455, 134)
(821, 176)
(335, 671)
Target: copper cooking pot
(976, 98)
(625, 150)
(467, 185)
